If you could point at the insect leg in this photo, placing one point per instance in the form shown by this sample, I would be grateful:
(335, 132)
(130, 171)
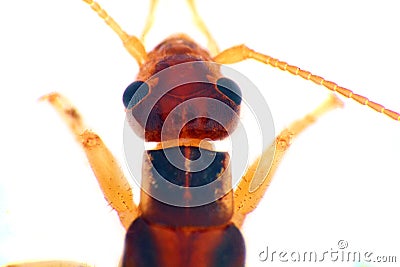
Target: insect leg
(258, 176)
(149, 20)
(131, 42)
(110, 177)
(242, 52)
(211, 44)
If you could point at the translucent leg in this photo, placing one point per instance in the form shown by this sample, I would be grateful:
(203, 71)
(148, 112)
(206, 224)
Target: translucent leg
(257, 178)
(149, 20)
(211, 44)
(110, 177)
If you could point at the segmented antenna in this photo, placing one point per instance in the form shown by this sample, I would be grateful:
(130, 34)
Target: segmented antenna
(131, 42)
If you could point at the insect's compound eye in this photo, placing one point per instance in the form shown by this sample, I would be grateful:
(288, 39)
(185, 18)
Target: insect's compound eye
(135, 92)
(230, 89)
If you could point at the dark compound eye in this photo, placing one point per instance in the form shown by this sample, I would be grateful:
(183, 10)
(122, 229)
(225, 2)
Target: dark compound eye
(135, 92)
(230, 89)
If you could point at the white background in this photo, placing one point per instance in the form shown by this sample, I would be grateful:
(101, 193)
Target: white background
(340, 179)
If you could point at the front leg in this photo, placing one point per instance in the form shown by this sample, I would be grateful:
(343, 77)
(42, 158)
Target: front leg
(258, 176)
(110, 177)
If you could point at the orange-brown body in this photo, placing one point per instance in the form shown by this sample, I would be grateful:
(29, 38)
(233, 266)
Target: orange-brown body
(183, 235)
(176, 231)
(167, 235)
(193, 65)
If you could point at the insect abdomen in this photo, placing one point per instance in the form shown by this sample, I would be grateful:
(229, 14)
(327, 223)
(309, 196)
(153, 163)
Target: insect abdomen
(186, 232)
(148, 245)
